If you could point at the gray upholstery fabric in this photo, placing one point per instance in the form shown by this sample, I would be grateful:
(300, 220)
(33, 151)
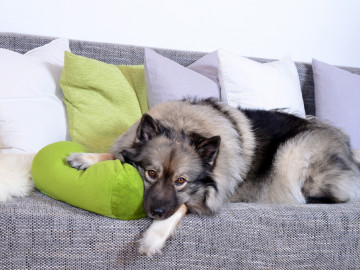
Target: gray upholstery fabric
(38, 232)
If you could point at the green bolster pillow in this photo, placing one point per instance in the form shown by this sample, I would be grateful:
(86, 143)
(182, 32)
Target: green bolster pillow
(108, 188)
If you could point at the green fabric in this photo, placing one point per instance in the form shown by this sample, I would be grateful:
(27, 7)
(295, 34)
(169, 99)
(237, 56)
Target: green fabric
(102, 100)
(108, 188)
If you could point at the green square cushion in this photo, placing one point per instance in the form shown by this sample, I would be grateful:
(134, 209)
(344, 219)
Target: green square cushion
(102, 100)
(108, 188)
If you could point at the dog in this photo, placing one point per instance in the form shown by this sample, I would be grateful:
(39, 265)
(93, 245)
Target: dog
(195, 155)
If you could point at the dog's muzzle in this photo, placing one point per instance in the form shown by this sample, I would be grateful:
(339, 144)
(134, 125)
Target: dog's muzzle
(160, 201)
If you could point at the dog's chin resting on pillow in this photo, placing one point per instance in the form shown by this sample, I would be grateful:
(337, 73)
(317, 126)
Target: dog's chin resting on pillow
(198, 154)
(15, 175)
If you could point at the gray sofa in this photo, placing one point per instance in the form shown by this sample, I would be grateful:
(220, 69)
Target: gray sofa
(38, 232)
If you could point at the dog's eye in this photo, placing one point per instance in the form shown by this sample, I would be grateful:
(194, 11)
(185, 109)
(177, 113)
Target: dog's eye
(180, 181)
(152, 173)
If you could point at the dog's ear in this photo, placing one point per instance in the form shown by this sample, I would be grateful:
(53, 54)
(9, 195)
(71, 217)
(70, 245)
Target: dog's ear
(148, 128)
(207, 148)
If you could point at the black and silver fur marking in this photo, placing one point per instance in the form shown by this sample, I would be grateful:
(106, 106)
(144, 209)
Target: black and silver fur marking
(248, 155)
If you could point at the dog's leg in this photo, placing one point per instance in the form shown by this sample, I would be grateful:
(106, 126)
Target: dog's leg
(82, 161)
(290, 172)
(155, 236)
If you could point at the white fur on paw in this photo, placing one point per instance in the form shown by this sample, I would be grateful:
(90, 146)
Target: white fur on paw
(80, 161)
(155, 237)
(153, 240)
(15, 175)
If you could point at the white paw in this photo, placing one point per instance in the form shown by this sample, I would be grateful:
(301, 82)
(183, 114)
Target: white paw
(80, 161)
(155, 237)
(152, 242)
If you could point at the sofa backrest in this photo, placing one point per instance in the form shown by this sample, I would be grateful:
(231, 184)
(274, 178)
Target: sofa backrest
(134, 55)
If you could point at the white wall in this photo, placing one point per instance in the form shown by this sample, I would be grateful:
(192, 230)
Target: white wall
(328, 30)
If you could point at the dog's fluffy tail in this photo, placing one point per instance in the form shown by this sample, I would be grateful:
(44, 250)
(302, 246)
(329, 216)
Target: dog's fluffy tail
(15, 175)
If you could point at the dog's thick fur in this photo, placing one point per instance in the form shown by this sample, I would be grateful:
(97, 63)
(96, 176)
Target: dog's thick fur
(203, 153)
(15, 175)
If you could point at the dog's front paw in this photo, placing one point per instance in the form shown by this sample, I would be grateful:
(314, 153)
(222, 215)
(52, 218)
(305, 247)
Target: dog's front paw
(80, 161)
(155, 237)
(152, 242)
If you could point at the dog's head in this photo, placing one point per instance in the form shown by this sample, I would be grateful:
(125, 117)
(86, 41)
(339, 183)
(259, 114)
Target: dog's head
(176, 167)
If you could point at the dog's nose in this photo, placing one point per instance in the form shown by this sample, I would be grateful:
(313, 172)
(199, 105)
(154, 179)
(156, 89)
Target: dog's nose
(158, 212)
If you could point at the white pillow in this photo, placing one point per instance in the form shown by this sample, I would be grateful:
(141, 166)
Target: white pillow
(32, 114)
(253, 85)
